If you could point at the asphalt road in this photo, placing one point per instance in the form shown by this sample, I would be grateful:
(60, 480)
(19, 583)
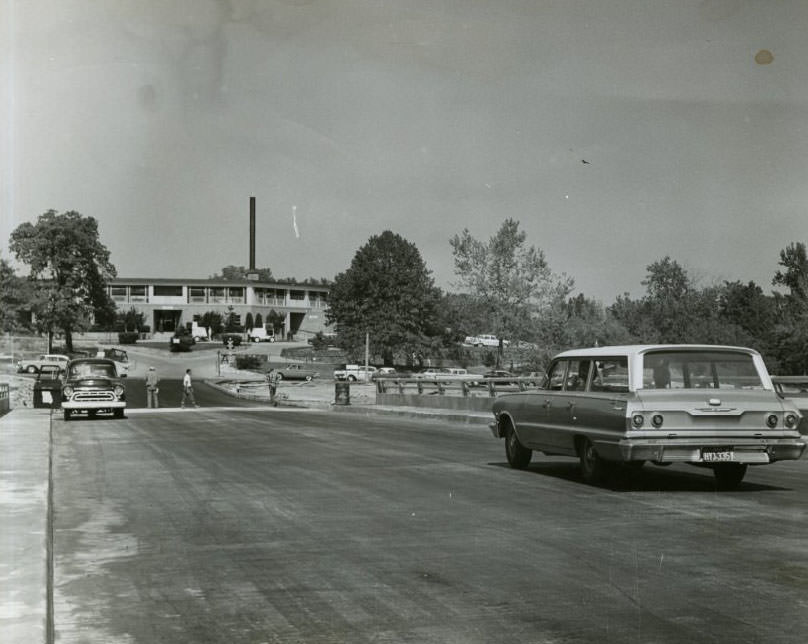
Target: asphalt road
(297, 526)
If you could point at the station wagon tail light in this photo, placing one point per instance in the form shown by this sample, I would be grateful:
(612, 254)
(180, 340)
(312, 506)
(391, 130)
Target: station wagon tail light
(656, 420)
(637, 420)
(67, 391)
(771, 421)
(118, 391)
(791, 421)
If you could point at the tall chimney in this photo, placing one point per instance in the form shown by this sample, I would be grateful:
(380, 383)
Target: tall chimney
(252, 234)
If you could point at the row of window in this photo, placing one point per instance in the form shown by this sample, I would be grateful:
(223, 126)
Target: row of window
(214, 294)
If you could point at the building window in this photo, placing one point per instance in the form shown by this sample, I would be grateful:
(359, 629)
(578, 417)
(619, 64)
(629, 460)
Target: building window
(297, 295)
(216, 294)
(168, 291)
(117, 293)
(196, 294)
(236, 294)
(138, 294)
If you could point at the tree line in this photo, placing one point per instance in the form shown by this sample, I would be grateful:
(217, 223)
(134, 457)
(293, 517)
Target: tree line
(387, 294)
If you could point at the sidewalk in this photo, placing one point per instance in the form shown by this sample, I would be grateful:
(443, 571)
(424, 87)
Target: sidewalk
(25, 530)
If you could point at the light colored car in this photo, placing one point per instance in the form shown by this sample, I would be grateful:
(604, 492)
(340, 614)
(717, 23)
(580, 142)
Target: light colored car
(485, 340)
(295, 372)
(92, 385)
(118, 356)
(35, 364)
(705, 405)
(355, 373)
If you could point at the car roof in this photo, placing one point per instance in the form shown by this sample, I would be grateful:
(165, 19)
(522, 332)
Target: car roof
(92, 361)
(634, 349)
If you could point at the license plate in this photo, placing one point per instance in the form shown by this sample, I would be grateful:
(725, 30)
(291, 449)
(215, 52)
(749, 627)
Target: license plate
(717, 454)
(47, 397)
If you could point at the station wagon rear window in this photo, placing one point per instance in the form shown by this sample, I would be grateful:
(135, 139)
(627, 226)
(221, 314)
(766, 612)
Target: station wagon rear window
(700, 370)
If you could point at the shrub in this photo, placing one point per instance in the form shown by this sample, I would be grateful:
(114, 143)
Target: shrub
(128, 337)
(251, 362)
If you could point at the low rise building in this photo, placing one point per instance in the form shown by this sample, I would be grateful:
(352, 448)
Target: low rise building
(168, 303)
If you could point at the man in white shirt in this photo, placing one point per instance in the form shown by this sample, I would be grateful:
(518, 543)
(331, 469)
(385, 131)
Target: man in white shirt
(187, 390)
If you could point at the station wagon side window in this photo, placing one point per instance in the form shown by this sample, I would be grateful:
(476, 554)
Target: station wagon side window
(577, 375)
(610, 374)
(555, 376)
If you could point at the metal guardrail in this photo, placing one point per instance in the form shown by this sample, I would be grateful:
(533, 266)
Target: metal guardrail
(464, 386)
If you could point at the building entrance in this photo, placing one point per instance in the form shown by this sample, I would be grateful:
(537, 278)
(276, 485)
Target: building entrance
(167, 321)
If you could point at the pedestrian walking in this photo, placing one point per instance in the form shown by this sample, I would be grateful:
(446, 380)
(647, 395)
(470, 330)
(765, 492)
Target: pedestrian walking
(152, 390)
(187, 390)
(272, 381)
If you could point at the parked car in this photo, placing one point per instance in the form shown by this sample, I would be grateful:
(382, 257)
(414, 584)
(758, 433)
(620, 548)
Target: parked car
(181, 341)
(33, 365)
(447, 373)
(92, 386)
(485, 340)
(48, 386)
(498, 375)
(710, 406)
(355, 373)
(118, 356)
(260, 334)
(295, 371)
(385, 372)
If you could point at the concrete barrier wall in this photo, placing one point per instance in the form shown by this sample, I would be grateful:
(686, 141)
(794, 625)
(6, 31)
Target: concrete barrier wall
(433, 401)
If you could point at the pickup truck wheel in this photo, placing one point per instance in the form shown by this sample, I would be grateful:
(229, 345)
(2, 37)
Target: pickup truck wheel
(728, 476)
(31, 369)
(517, 454)
(279, 375)
(351, 378)
(256, 340)
(308, 378)
(593, 467)
(118, 413)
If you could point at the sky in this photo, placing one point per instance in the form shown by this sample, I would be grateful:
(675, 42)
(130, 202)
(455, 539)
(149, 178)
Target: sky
(616, 133)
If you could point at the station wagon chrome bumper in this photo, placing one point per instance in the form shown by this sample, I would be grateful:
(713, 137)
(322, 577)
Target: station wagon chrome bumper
(690, 450)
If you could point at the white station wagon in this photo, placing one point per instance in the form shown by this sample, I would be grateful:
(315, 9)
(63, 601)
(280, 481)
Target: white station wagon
(711, 406)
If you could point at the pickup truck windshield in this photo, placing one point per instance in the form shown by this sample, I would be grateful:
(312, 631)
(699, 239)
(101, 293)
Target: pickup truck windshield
(700, 370)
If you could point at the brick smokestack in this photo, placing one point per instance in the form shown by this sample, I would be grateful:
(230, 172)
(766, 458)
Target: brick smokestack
(252, 234)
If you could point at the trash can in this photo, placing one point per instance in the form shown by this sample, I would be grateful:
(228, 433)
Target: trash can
(342, 392)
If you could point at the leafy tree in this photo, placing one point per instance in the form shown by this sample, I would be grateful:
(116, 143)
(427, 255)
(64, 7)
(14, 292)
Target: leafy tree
(512, 279)
(389, 293)
(212, 320)
(15, 295)
(795, 276)
(69, 268)
(131, 320)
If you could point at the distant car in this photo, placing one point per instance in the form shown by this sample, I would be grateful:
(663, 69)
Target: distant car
(498, 374)
(705, 405)
(355, 373)
(35, 364)
(118, 356)
(260, 334)
(48, 386)
(385, 372)
(485, 340)
(295, 372)
(92, 385)
(181, 342)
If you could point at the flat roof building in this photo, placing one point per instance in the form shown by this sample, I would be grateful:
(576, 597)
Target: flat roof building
(168, 303)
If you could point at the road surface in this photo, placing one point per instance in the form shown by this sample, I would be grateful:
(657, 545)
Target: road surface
(281, 525)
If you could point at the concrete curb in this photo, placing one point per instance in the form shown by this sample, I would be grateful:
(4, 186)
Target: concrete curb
(25, 528)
